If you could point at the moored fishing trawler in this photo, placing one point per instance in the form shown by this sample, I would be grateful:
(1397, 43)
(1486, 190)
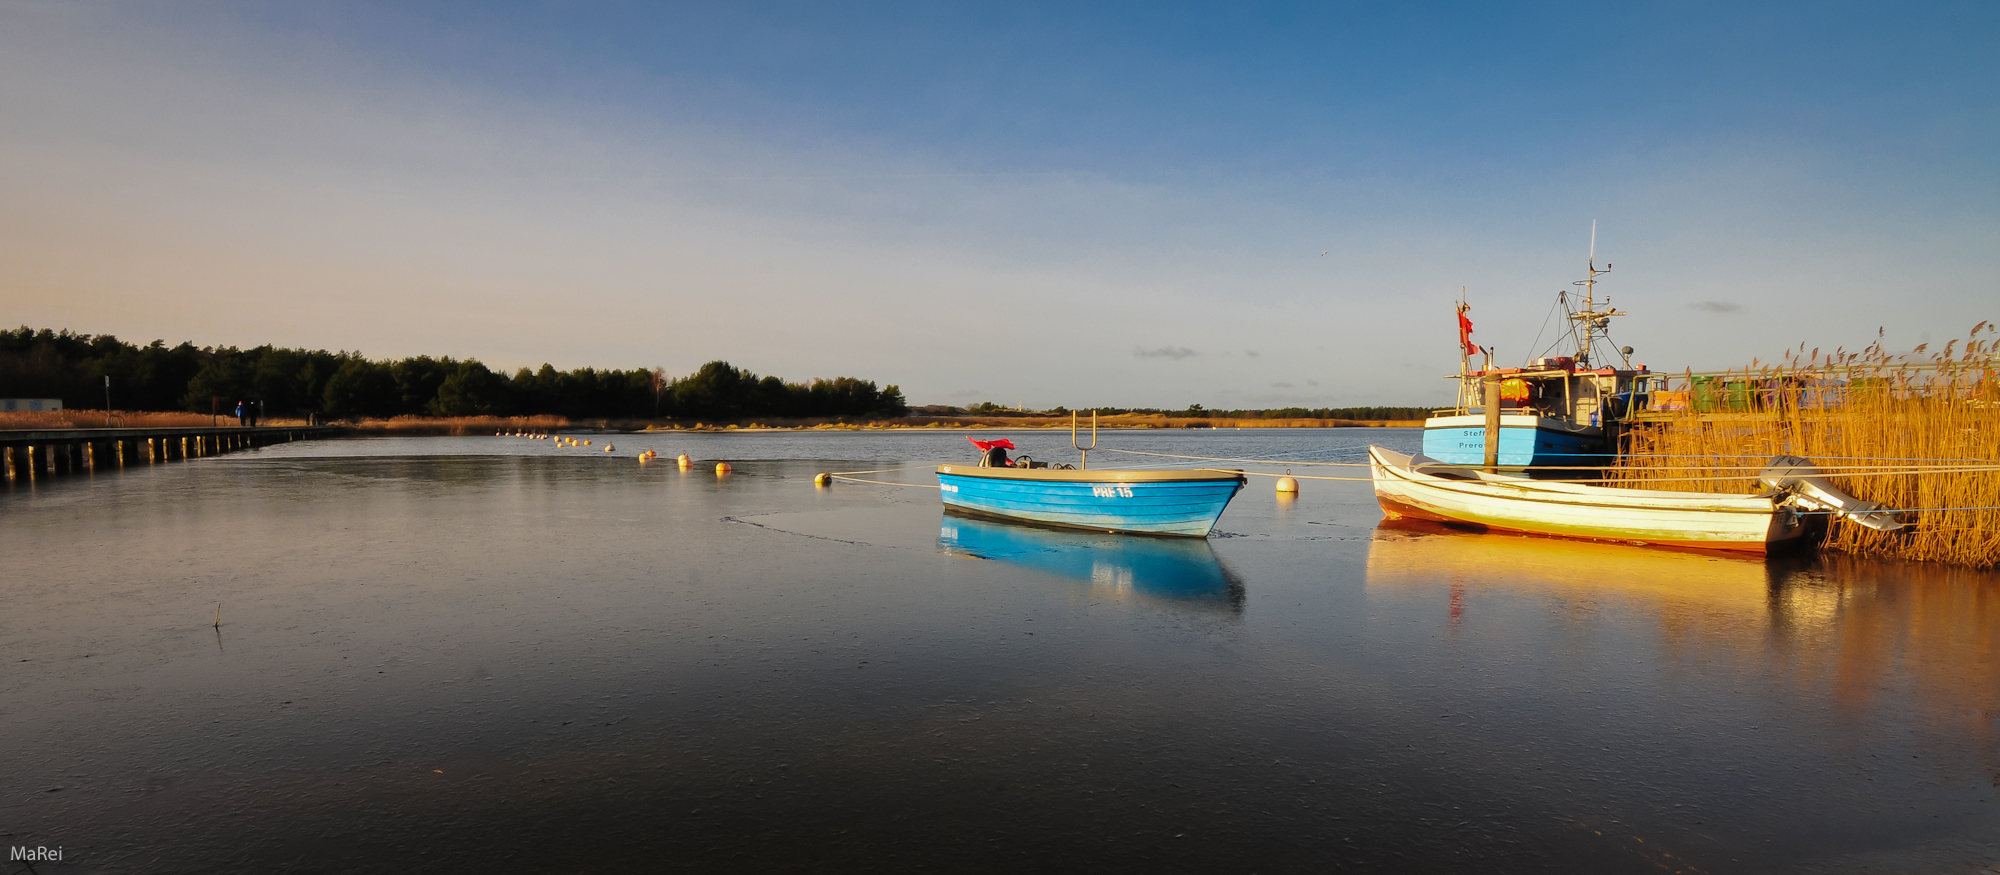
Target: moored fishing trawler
(1555, 412)
(1183, 502)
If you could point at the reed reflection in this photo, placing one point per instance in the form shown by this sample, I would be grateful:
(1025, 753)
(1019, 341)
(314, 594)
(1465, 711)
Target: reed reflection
(1883, 640)
(1181, 570)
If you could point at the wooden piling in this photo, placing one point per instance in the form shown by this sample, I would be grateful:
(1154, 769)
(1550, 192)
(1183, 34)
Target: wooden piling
(1492, 423)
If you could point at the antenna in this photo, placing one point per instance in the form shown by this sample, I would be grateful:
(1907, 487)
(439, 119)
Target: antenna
(1593, 243)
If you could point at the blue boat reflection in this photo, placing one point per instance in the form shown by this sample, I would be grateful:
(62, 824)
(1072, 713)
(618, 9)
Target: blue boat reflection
(1176, 569)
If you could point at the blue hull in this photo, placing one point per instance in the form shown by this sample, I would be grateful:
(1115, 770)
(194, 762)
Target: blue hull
(1187, 507)
(1521, 446)
(1178, 569)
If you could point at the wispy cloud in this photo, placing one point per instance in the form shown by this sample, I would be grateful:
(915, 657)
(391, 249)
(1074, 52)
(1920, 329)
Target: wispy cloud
(1252, 353)
(1716, 306)
(1171, 352)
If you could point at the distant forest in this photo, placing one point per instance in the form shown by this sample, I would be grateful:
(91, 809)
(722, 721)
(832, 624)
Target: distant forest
(346, 385)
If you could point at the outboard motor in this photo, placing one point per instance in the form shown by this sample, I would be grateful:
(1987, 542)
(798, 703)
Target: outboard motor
(1803, 487)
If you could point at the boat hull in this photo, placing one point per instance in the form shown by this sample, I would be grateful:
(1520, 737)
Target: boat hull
(1526, 441)
(1422, 488)
(1181, 503)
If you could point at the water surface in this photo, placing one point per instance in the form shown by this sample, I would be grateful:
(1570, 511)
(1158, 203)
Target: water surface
(491, 654)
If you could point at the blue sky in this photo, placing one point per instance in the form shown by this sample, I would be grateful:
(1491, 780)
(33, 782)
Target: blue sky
(1055, 204)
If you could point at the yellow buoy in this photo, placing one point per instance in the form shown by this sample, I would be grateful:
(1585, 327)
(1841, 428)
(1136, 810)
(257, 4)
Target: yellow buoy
(823, 480)
(1288, 486)
(721, 468)
(684, 460)
(586, 443)
(607, 448)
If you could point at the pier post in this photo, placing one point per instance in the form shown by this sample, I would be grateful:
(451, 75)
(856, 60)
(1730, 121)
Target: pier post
(7, 461)
(1492, 423)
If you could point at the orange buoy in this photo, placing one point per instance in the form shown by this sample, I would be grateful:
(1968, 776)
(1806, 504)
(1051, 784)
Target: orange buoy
(607, 448)
(823, 480)
(721, 468)
(684, 461)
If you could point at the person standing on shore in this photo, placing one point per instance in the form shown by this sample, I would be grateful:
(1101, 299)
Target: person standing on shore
(239, 414)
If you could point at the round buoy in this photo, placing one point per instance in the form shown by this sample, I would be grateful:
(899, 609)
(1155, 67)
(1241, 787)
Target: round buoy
(684, 461)
(823, 480)
(586, 443)
(721, 468)
(607, 448)
(1288, 486)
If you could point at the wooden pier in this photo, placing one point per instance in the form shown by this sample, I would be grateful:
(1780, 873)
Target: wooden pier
(29, 455)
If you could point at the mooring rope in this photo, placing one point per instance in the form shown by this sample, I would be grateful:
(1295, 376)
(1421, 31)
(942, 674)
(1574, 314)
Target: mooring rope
(1245, 461)
(853, 477)
(1827, 470)
(882, 482)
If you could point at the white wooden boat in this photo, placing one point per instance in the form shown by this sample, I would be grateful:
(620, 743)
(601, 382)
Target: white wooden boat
(1423, 488)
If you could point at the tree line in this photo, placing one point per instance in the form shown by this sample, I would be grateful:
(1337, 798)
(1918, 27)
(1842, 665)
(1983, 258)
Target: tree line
(348, 385)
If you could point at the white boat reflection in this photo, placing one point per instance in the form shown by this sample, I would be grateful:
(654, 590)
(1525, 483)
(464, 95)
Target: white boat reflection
(1417, 554)
(1176, 569)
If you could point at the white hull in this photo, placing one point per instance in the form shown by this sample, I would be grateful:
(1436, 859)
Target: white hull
(1419, 487)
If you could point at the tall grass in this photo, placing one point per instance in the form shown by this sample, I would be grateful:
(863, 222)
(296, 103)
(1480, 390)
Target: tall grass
(1898, 429)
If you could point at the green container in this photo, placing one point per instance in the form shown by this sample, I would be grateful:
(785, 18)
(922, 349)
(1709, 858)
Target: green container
(1736, 396)
(1704, 394)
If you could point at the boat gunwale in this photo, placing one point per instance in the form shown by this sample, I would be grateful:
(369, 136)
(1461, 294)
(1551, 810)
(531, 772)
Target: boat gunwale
(1535, 421)
(1101, 475)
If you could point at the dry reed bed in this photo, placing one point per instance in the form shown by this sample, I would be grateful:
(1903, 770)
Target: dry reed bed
(1908, 431)
(459, 425)
(87, 418)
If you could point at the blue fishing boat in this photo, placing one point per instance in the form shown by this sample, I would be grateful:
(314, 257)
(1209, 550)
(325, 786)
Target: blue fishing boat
(1175, 569)
(1143, 501)
(1557, 411)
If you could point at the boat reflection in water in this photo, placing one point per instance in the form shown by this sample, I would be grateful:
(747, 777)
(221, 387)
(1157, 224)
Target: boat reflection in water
(1410, 553)
(1913, 639)
(1182, 570)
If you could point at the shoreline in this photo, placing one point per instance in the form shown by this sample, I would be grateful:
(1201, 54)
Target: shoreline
(83, 418)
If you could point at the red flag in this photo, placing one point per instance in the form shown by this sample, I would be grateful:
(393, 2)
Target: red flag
(1003, 443)
(1465, 334)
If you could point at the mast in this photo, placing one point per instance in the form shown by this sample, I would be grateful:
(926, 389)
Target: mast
(1591, 324)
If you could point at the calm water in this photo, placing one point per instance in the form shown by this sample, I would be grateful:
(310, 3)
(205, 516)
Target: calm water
(489, 654)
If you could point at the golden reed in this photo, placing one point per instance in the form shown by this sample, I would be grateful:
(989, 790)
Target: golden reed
(1912, 431)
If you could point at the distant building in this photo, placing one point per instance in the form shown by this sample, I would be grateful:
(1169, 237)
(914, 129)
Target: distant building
(29, 405)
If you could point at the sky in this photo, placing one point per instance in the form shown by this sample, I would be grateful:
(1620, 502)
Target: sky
(1147, 204)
